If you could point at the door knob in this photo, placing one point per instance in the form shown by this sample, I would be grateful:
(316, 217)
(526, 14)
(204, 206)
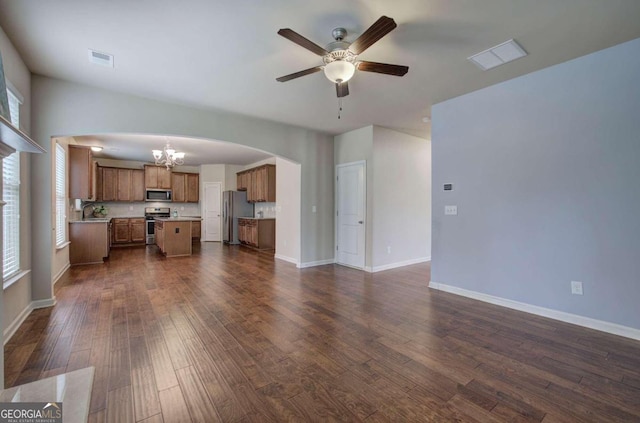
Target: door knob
(360, 222)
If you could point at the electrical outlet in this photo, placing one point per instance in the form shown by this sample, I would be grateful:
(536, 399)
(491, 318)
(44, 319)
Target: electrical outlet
(451, 210)
(388, 249)
(314, 209)
(130, 208)
(576, 287)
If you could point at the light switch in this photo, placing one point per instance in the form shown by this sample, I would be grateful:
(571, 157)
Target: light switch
(451, 210)
(313, 209)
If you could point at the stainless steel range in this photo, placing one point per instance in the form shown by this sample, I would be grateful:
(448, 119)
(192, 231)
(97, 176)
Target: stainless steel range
(150, 214)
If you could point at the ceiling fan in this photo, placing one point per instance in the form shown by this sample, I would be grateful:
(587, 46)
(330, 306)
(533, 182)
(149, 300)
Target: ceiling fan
(340, 57)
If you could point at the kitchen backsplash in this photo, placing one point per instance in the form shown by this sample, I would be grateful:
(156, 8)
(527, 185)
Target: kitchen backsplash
(269, 209)
(137, 209)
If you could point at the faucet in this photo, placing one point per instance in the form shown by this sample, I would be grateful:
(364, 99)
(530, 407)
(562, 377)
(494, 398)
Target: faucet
(84, 207)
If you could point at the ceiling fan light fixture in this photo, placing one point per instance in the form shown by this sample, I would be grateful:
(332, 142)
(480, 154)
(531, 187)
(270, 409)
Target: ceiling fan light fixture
(339, 71)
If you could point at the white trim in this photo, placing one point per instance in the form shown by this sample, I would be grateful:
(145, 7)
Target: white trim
(315, 263)
(287, 259)
(15, 278)
(396, 265)
(562, 316)
(17, 94)
(49, 302)
(335, 210)
(20, 318)
(63, 245)
(60, 273)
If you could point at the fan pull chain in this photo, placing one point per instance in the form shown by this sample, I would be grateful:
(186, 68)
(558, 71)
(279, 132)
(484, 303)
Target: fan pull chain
(339, 107)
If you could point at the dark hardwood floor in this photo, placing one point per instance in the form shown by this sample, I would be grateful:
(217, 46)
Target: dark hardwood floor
(231, 335)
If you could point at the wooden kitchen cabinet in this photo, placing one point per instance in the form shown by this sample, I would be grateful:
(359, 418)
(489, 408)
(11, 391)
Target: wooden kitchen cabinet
(124, 185)
(89, 242)
(118, 184)
(185, 187)
(196, 229)
(257, 233)
(193, 187)
(259, 182)
(157, 177)
(128, 231)
(137, 185)
(109, 184)
(121, 233)
(178, 185)
(81, 173)
(137, 230)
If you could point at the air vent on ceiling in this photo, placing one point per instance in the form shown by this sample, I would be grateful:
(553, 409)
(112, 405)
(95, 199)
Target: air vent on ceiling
(498, 55)
(102, 59)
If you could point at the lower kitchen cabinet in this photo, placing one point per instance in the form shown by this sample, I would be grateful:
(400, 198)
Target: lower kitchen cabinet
(257, 233)
(196, 228)
(89, 242)
(128, 231)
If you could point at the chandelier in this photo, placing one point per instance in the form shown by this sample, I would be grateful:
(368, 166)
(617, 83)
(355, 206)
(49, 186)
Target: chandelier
(168, 157)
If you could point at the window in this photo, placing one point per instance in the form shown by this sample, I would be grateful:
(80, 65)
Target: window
(61, 182)
(11, 195)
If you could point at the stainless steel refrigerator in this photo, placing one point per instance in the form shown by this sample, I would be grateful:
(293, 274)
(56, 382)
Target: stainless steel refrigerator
(234, 205)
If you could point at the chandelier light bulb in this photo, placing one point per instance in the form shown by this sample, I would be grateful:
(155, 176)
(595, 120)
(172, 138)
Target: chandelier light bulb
(168, 157)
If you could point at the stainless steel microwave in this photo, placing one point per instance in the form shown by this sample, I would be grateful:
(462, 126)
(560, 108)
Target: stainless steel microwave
(158, 195)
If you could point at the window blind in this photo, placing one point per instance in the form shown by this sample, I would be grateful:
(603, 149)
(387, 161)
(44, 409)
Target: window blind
(61, 182)
(11, 195)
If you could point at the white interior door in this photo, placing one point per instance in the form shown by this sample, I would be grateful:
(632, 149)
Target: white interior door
(350, 214)
(211, 217)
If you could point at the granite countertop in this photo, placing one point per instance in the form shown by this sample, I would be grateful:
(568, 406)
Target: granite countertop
(92, 220)
(258, 218)
(178, 219)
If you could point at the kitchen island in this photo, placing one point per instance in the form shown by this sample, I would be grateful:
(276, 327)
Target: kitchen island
(173, 235)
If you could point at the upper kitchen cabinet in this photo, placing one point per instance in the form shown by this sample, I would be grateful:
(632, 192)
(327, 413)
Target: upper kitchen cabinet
(137, 185)
(124, 185)
(178, 182)
(82, 176)
(109, 186)
(259, 182)
(117, 184)
(157, 177)
(185, 187)
(193, 187)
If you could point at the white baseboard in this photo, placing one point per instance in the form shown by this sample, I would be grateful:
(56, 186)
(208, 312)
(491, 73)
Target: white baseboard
(562, 316)
(20, 318)
(49, 302)
(315, 263)
(396, 265)
(13, 327)
(287, 259)
(60, 273)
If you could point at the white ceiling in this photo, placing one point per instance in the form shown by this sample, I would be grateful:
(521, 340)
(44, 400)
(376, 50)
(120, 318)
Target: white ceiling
(138, 148)
(227, 54)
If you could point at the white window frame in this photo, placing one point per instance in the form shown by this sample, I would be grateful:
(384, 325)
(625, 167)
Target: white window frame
(11, 196)
(61, 198)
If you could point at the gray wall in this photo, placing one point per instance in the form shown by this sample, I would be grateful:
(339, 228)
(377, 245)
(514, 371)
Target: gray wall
(16, 298)
(65, 108)
(545, 170)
